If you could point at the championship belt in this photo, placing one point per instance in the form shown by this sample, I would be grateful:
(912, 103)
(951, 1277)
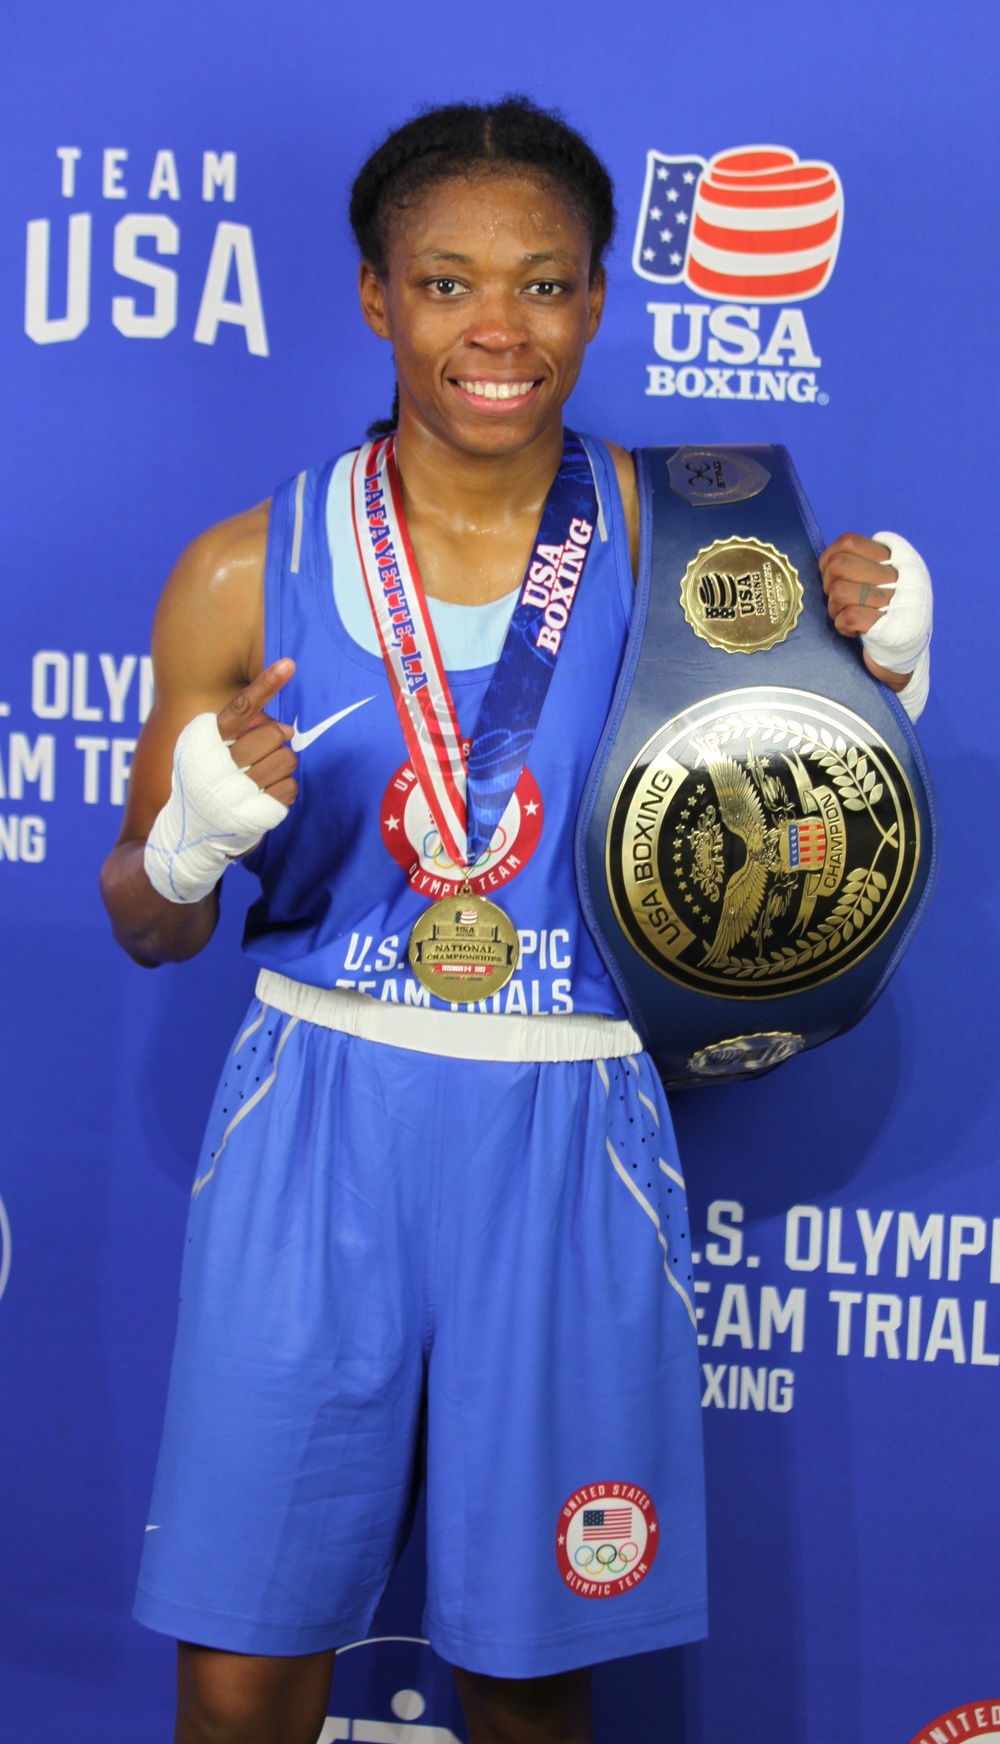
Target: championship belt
(757, 840)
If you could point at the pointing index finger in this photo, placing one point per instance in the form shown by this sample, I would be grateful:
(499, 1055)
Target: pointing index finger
(241, 710)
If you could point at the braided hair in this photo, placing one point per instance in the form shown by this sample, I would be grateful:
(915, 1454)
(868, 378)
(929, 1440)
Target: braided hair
(463, 139)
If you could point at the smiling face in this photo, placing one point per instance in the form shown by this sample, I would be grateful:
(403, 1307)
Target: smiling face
(489, 305)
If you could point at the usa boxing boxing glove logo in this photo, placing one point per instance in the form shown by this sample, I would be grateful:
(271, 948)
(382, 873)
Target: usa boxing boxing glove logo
(753, 225)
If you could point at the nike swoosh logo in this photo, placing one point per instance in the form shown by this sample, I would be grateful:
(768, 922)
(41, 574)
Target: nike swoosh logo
(152, 1529)
(301, 740)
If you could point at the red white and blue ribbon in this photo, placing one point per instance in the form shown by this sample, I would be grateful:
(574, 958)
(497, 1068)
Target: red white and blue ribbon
(466, 790)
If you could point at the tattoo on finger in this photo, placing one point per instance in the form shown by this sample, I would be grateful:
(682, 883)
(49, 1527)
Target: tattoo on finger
(870, 593)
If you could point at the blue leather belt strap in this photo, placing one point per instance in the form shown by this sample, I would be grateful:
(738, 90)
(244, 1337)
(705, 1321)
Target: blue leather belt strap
(757, 839)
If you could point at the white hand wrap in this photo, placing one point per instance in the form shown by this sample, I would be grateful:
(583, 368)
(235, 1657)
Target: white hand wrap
(215, 813)
(900, 640)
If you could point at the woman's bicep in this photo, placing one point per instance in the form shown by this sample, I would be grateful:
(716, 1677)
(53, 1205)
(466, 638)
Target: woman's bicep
(207, 643)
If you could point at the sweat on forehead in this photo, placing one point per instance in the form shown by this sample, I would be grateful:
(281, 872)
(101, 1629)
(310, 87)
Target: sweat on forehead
(436, 216)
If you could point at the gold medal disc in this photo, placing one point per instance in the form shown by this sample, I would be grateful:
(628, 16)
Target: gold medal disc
(464, 948)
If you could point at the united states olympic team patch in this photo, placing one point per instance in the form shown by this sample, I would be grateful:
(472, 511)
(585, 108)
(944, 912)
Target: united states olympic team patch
(979, 1720)
(412, 837)
(607, 1539)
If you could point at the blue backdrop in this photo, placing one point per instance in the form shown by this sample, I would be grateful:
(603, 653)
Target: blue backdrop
(178, 332)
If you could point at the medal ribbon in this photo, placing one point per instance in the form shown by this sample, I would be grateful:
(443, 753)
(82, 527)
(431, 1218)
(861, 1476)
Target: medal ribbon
(468, 793)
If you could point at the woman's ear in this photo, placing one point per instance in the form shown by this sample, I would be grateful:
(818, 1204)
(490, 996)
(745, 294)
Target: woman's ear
(374, 305)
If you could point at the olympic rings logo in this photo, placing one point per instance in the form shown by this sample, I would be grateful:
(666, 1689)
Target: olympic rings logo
(415, 843)
(434, 852)
(610, 1558)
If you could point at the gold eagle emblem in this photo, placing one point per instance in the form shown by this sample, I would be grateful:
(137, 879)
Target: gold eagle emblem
(756, 807)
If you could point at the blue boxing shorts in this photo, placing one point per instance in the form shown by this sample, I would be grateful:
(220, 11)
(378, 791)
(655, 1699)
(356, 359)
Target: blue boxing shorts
(391, 1251)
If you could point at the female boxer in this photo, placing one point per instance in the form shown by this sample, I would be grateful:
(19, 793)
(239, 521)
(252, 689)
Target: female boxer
(438, 1226)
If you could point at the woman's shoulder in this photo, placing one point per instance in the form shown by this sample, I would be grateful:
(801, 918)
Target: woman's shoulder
(625, 468)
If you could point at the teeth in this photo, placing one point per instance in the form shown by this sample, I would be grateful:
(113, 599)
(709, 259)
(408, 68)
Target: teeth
(491, 390)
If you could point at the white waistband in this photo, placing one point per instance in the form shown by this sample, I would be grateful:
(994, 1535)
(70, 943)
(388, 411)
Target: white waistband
(462, 1035)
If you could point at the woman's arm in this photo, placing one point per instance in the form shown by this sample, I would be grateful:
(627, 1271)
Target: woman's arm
(207, 659)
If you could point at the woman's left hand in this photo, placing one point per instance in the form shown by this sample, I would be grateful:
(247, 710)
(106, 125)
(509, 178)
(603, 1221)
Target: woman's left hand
(857, 581)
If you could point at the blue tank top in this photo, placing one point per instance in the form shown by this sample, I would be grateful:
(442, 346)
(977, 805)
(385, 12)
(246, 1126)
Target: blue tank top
(345, 876)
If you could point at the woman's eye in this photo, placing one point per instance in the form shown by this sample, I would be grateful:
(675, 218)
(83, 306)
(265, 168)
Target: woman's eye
(446, 287)
(546, 288)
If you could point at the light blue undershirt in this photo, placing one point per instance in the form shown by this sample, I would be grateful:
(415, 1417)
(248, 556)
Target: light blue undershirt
(468, 636)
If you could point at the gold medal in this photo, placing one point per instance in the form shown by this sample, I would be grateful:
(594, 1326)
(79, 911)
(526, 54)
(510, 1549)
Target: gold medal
(464, 948)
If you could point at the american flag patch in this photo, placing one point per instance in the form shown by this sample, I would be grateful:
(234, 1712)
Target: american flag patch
(607, 1522)
(807, 845)
(467, 916)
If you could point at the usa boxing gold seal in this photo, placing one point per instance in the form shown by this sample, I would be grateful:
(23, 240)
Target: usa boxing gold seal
(741, 595)
(761, 843)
